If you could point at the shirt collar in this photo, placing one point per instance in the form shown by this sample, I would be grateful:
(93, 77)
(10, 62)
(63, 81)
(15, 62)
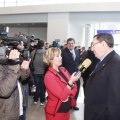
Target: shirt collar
(105, 55)
(71, 50)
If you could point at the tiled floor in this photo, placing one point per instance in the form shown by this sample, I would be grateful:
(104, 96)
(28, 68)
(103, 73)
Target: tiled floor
(36, 112)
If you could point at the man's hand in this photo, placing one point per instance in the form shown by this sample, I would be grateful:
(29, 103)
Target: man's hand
(14, 54)
(25, 64)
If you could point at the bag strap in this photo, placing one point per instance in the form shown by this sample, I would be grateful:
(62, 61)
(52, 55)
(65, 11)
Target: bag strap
(34, 58)
(34, 55)
(33, 66)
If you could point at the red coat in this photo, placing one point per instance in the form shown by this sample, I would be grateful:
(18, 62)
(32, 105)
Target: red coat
(57, 91)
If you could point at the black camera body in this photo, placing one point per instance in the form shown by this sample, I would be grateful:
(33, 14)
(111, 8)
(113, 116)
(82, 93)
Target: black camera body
(9, 43)
(4, 52)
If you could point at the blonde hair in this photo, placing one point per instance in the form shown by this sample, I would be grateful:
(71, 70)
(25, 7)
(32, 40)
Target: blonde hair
(49, 55)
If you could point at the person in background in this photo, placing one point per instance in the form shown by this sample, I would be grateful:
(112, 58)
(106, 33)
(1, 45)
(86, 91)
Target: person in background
(83, 54)
(79, 48)
(24, 81)
(32, 87)
(31, 46)
(102, 97)
(60, 86)
(39, 69)
(76, 48)
(65, 45)
(71, 61)
(90, 55)
(11, 95)
(46, 46)
(56, 44)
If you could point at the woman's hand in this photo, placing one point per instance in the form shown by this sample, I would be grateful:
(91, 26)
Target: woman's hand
(74, 77)
(66, 99)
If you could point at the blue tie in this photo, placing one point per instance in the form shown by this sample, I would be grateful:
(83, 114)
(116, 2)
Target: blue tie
(97, 64)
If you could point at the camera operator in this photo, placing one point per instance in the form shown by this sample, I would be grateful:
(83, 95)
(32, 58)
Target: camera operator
(11, 95)
(20, 46)
(31, 46)
(24, 81)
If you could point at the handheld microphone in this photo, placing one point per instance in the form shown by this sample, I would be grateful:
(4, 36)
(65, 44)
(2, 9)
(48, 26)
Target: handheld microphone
(82, 67)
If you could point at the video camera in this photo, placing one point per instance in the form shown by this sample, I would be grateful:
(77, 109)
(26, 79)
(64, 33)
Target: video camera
(33, 39)
(8, 43)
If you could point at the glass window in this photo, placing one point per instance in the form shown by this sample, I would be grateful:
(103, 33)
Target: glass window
(1, 3)
(24, 2)
(10, 3)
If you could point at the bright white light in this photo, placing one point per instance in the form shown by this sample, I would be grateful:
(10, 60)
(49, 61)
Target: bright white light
(72, 1)
(42, 2)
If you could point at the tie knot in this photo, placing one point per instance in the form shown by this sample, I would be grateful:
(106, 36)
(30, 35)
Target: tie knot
(97, 64)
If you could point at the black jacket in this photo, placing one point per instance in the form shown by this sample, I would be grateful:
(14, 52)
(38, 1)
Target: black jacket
(68, 62)
(102, 94)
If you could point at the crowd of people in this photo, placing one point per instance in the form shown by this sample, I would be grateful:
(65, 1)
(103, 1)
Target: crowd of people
(52, 70)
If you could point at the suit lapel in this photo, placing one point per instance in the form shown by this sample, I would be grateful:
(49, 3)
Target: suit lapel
(75, 54)
(105, 61)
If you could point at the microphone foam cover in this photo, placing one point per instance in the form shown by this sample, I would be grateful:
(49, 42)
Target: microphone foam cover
(86, 63)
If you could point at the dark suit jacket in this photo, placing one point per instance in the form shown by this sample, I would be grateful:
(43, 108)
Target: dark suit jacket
(102, 94)
(68, 62)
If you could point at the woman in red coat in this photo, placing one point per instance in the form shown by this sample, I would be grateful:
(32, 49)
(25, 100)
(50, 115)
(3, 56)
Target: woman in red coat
(60, 86)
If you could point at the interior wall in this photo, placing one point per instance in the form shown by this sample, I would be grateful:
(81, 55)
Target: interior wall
(77, 32)
(75, 19)
(24, 18)
(57, 27)
(90, 17)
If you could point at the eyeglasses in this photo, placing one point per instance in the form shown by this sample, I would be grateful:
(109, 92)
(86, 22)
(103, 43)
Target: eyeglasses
(93, 44)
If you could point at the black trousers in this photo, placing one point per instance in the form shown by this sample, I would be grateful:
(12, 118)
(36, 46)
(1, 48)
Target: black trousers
(78, 89)
(40, 88)
(21, 117)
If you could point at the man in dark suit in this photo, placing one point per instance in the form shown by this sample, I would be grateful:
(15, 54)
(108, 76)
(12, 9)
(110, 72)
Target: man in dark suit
(71, 61)
(102, 94)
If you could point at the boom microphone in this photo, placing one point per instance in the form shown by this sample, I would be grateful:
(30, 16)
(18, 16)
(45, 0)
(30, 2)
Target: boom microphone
(81, 68)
